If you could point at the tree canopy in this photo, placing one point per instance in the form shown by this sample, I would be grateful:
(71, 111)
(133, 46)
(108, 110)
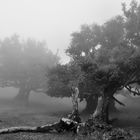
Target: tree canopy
(107, 55)
(23, 64)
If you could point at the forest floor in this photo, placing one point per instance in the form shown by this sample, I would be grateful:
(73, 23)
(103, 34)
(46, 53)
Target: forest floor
(36, 115)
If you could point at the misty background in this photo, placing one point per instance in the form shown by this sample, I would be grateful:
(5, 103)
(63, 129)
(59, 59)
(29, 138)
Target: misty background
(53, 21)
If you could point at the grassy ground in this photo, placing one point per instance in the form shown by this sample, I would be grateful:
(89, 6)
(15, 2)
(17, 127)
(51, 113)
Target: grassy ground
(31, 116)
(36, 115)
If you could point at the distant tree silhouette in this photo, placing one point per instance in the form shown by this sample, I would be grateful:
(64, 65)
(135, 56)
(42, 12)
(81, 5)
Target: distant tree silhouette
(23, 65)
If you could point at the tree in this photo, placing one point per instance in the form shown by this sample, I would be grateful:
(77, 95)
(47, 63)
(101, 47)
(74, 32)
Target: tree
(84, 46)
(93, 44)
(23, 65)
(118, 71)
(103, 63)
(60, 79)
(108, 57)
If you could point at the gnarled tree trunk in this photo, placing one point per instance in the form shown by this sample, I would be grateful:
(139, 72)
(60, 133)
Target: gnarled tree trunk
(105, 109)
(102, 109)
(74, 96)
(91, 103)
(23, 95)
(99, 107)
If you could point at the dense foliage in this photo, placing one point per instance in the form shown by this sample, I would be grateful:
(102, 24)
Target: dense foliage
(108, 56)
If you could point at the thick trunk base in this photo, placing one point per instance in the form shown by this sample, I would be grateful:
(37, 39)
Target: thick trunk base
(102, 109)
(75, 116)
(91, 103)
(22, 98)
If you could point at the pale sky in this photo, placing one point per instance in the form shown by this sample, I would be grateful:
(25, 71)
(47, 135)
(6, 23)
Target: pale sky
(53, 20)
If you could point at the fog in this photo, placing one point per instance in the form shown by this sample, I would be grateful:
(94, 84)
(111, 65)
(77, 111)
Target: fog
(53, 104)
(40, 101)
(53, 20)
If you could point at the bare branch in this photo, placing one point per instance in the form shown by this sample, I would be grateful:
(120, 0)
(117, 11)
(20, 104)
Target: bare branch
(133, 82)
(131, 78)
(135, 92)
(118, 101)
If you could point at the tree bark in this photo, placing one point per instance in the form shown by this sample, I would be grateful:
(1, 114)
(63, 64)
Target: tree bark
(74, 97)
(91, 103)
(112, 107)
(63, 125)
(105, 109)
(102, 109)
